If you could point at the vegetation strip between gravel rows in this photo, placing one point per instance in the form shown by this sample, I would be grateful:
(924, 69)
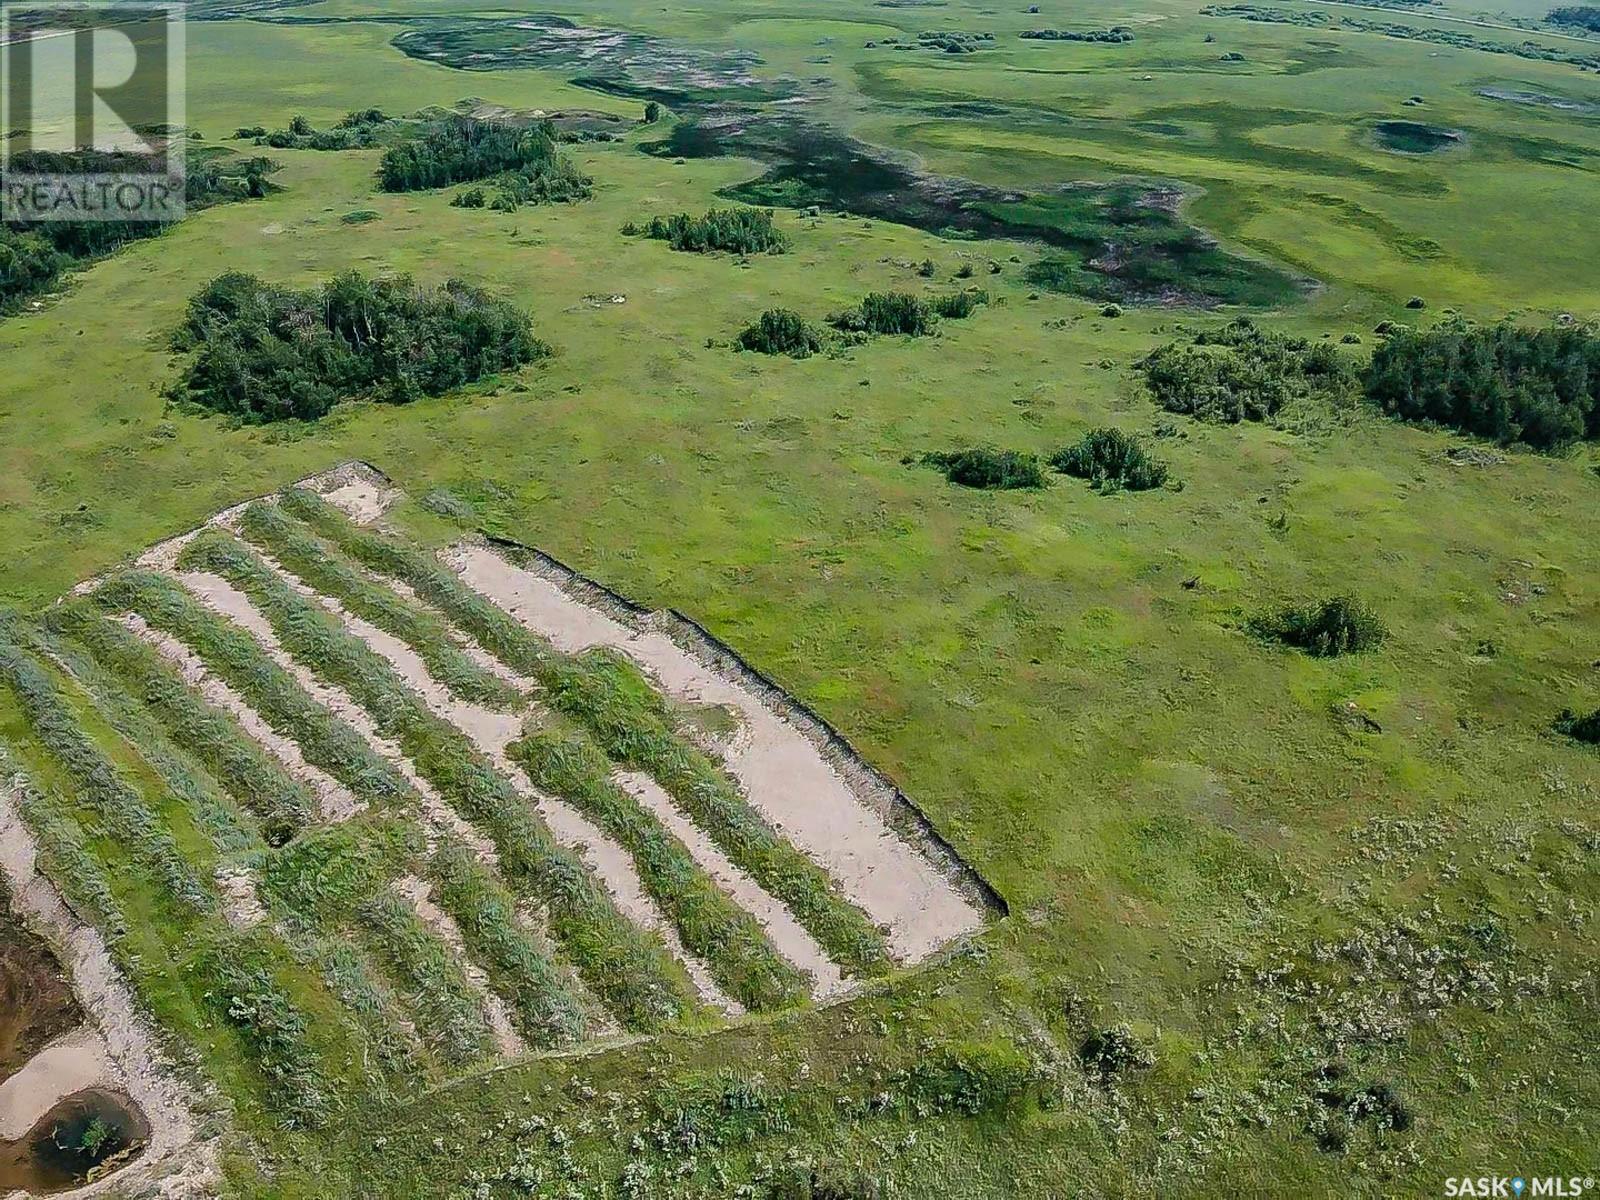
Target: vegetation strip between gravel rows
(712, 926)
(627, 968)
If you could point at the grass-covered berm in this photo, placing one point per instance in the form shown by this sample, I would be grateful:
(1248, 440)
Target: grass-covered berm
(1282, 922)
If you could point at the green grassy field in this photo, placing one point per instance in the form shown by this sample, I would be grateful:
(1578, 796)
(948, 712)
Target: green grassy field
(1185, 822)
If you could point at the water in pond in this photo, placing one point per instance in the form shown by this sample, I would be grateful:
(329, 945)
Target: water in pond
(1413, 137)
(86, 1135)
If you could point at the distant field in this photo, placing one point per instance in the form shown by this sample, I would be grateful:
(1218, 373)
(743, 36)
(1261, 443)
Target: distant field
(1292, 879)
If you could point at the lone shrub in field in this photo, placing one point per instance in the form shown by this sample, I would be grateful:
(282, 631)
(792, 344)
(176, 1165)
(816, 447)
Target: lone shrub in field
(1583, 729)
(1326, 629)
(734, 230)
(782, 331)
(266, 353)
(959, 305)
(1111, 460)
(887, 312)
(1109, 1052)
(993, 470)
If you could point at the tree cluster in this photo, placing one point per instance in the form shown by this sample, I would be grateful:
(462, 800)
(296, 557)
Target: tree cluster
(522, 160)
(1116, 34)
(33, 257)
(1583, 16)
(264, 353)
(732, 230)
(1536, 386)
(1580, 728)
(1325, 628)
(356, 130)
(782, 331)
(992, 470)
(1242, 372)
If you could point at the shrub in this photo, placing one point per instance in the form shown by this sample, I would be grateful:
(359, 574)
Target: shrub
(887, 312)
(1583, 729)
(1325, 629)
(734, 230)
(471, 198)
(1110, 460)
(1111, 310)
(1242, 372)
(989, 469)
(266, 353)
(964, 271)
(781, 331)
(1537, 386)
(927, 269)
(959, 305)
(1110, 1052)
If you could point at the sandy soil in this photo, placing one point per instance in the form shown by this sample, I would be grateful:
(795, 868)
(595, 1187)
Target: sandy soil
(356, 490)
(177, 1163)
(334, 800)
(780, 770)
(72, 1062)
(419, 895)
(241, 903)
(787, 934)
(468, 645)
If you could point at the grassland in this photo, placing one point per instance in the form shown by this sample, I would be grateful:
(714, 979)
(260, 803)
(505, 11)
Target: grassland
(1261, 862)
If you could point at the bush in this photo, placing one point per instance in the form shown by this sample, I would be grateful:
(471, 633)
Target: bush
(959, 305)
(734, 230)
(265, 353)
(1540, 387)
(1583, 729)
(1326, 629)
(471, 198)
(887, 312)
(1110, 1052)
(1242, 372)
(989, 469)
(1110, 460)
(781, 331)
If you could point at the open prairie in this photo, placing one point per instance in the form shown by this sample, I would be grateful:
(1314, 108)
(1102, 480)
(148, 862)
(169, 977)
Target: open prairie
(637, 771)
